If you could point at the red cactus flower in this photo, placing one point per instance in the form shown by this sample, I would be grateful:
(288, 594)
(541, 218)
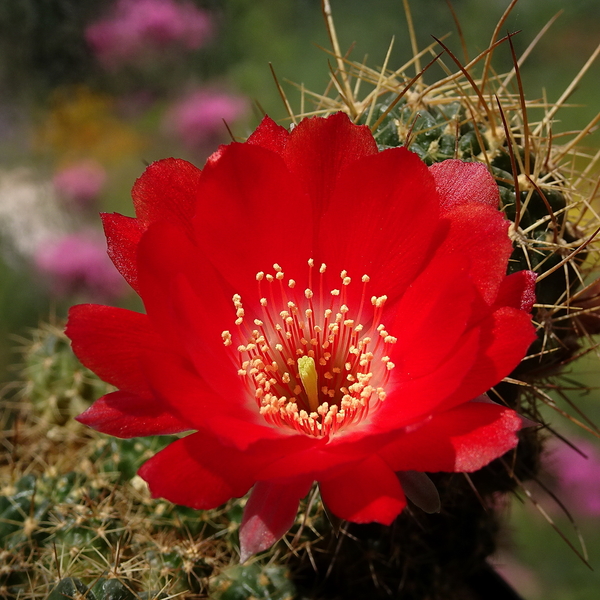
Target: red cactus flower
(316, 310)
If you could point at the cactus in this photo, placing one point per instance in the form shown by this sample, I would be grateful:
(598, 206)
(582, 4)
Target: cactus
(56, 385)
(239, 583)
(233, 583)
(81, 517)
(102, 589)
(70, 587)
(435, 133)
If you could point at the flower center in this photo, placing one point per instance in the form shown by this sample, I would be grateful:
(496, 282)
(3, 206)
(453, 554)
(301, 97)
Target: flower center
(310, 365)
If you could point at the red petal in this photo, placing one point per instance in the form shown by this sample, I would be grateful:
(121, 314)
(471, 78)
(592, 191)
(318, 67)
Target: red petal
(465, 438)
(123, 236)
(198, 472)
(505, 337)
(369, 492)
(518, 290)
(269, 135)
(461, 182)
(319, 148)
(481, 358)
(432, 315)
(269, 513)
(110, 341)
(188, 300)
(252, 214)
(167, 190)
(478, 236)
(243, 430)
(383, 221)
(126, 415)
(319, 458)
(234, 419)
(411, 399)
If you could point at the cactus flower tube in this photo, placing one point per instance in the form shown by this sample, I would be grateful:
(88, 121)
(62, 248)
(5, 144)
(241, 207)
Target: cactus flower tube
(316, 311)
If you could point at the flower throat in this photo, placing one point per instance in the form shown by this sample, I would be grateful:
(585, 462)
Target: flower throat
(310, 366)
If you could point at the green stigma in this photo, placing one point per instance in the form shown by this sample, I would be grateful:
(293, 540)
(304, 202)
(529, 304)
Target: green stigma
(308, 376)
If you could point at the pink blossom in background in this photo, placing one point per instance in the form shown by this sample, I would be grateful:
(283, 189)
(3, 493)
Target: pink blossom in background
(197, 118)
(77, 263)
(134, 28)
(80, 182)
(577, 478)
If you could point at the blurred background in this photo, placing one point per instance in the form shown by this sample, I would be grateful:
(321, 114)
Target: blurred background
(91, 91)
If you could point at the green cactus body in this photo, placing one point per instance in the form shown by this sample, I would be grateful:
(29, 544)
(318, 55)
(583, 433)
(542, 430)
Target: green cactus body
(23, 513)
(56, 384)
(112, 589)
(435, 133)
(71, 588)
(123, 457)
(253, 581)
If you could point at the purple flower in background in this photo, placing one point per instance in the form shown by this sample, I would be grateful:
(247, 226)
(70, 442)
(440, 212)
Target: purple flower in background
(78, 263)
(577, 477)
(134, 28)
(197, 118)
(80, 183)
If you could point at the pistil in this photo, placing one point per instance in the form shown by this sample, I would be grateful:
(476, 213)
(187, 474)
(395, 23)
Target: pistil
(308, 375)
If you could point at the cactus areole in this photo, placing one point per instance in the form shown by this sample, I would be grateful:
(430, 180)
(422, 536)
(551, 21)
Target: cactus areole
(316, 310)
